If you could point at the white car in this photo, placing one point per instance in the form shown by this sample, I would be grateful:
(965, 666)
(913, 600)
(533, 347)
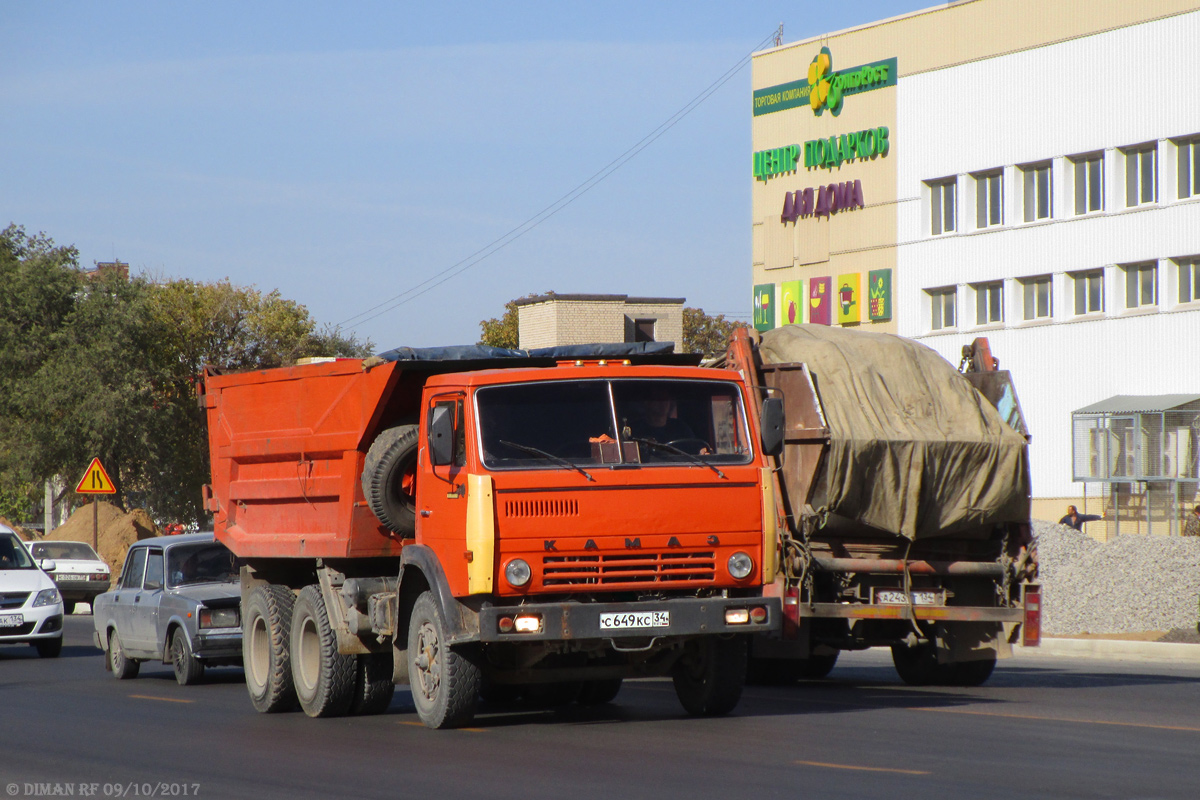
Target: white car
(31, 609)
(78, 571)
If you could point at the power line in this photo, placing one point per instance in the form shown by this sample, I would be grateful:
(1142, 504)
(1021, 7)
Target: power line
(549, 211)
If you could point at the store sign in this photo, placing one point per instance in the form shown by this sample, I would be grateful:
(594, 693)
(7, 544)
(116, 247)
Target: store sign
(791, 302)
(764, 306)
(825, 88)
(820, 301)
(849, 297)
(822, 201)
(879, 295)
(779, 161)
(831, 152)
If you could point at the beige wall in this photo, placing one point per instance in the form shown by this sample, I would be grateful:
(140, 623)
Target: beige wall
(563, 321)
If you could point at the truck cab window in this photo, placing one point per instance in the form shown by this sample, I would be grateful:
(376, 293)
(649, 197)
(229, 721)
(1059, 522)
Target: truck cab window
(455, 410)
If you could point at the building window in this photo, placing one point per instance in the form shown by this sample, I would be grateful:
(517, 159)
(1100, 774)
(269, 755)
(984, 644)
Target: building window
(1141, 175)
(643, 330)
(1189, 279)
(1089, 183)
(1089, 291)
(1141, 285)
(1036, 295)
(1037, 192)
(1189, 168)
(989, 196)
(942, 205)
(989, 303)
(942, 303)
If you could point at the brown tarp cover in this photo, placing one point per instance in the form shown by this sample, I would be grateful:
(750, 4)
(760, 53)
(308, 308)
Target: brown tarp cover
(914, 449)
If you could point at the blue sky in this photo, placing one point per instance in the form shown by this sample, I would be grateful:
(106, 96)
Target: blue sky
(346, 154)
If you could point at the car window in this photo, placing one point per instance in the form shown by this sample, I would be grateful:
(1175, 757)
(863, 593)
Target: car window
(135, 566)
(64, 550)
(13, 554)
(207, 562)
(154, 570)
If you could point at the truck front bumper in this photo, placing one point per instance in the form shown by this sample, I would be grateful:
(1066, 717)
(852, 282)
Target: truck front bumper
(631, 622)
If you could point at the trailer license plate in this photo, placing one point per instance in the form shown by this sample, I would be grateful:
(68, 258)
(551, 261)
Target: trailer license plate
(621, 620)
(11, 620)
(920, 597)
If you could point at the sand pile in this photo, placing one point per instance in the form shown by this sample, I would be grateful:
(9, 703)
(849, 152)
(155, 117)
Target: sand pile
(24, 533)
(118, 530)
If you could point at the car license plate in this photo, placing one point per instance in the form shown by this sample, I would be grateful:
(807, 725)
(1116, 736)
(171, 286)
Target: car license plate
(920, 597)
(11, 620)
(70, 576)
(622, 620)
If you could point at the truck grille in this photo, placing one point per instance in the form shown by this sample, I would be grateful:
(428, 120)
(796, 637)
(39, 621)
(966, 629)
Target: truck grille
(639, 568)
(541, 508)
(13, 599)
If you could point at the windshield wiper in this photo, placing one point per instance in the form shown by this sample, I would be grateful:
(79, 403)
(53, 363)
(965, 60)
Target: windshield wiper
(562, 462)
(670, 448)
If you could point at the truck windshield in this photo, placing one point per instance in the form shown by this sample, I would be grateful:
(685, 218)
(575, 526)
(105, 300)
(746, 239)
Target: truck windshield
(601, 423)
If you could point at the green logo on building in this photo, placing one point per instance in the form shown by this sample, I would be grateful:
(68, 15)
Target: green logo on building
(825, 87)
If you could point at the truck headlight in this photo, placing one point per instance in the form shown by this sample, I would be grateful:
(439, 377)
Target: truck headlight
(47, 597)
(517, 573)
(219, 618)
(740, 565)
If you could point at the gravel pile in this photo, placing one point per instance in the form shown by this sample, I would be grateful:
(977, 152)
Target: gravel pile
(1127, 585)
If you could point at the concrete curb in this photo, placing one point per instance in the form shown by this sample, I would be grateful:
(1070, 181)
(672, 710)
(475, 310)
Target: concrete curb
(1119, 649)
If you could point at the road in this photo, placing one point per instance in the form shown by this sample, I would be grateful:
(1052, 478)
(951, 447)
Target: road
(1042, 727)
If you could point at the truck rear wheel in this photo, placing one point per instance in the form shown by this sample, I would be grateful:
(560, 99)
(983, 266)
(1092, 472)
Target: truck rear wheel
(444, 682)
(323, 677)
(373, 687)
(973, 673)
(266, 655)
(388, 478)
(598, 693)
(709, 677)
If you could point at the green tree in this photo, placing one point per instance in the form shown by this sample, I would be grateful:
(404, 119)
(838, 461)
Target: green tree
(705, 334)
(504, 331)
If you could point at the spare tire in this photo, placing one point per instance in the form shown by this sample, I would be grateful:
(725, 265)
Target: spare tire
(389, 478)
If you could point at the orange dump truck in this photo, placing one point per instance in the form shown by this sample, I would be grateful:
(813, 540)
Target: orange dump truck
(902, 500)
(481, 523)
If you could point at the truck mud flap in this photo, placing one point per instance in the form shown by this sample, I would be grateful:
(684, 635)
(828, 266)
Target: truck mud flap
(627, 624)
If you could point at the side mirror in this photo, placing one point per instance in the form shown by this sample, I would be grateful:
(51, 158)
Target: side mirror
(441, 436)
(772, 424)
(48, 565)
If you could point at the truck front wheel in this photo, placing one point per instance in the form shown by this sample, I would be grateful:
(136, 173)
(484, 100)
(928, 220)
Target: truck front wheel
(444, 682)
(266, 638)
(709, 677)
(323, 677)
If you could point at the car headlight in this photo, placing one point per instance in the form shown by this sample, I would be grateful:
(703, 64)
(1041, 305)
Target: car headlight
(47, 597)
(219, 618)
(740, 565)
(517, 573)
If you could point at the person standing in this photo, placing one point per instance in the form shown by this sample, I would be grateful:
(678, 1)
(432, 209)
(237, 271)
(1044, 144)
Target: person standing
(1192, 526)
(1075, 520)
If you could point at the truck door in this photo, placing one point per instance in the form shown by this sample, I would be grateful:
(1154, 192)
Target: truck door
(442, 492)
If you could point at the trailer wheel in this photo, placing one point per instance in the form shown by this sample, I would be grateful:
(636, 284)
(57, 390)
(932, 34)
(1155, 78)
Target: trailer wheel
(266, 656)
(815, 667)
(710, 676)
(444, 682)
(388, 478)
(323, 677)
(598, 693)
(918, 666)
(373, 687)
(972, 673)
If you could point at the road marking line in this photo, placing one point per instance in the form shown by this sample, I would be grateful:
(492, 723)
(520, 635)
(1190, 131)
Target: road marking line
(1059, 719)
(862, 769)
(422, 725)
(164, 699)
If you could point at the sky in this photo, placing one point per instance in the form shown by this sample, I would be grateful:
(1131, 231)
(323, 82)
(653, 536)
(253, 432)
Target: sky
(360, 158)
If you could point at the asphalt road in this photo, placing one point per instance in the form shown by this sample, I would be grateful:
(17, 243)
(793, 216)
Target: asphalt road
(1042, 727)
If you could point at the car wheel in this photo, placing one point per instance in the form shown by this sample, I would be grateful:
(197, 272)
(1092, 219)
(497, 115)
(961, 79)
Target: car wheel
(49, 648)
(373, 687)
(444, 682)
(123, 667)
(710, 676)
(188, 668)
(266, 654)
(323, 677)
(68, 606)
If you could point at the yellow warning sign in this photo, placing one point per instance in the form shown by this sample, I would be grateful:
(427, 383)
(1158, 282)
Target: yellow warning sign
(95, 480)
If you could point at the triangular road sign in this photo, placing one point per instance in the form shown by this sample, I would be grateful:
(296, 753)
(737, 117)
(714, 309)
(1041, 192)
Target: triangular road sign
(95, 480)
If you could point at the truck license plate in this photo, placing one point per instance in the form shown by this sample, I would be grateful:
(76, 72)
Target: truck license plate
(621, 620)
(920, 597)
(11, 620)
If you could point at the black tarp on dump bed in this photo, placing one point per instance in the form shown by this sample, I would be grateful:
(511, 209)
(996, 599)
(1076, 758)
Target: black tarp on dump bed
(914, 449)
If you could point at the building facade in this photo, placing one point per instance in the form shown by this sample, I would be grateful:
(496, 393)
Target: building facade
(549, 320)
(1025, 171)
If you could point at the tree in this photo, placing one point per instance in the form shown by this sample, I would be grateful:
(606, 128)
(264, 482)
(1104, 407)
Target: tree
(706, 334)
(505, 331)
